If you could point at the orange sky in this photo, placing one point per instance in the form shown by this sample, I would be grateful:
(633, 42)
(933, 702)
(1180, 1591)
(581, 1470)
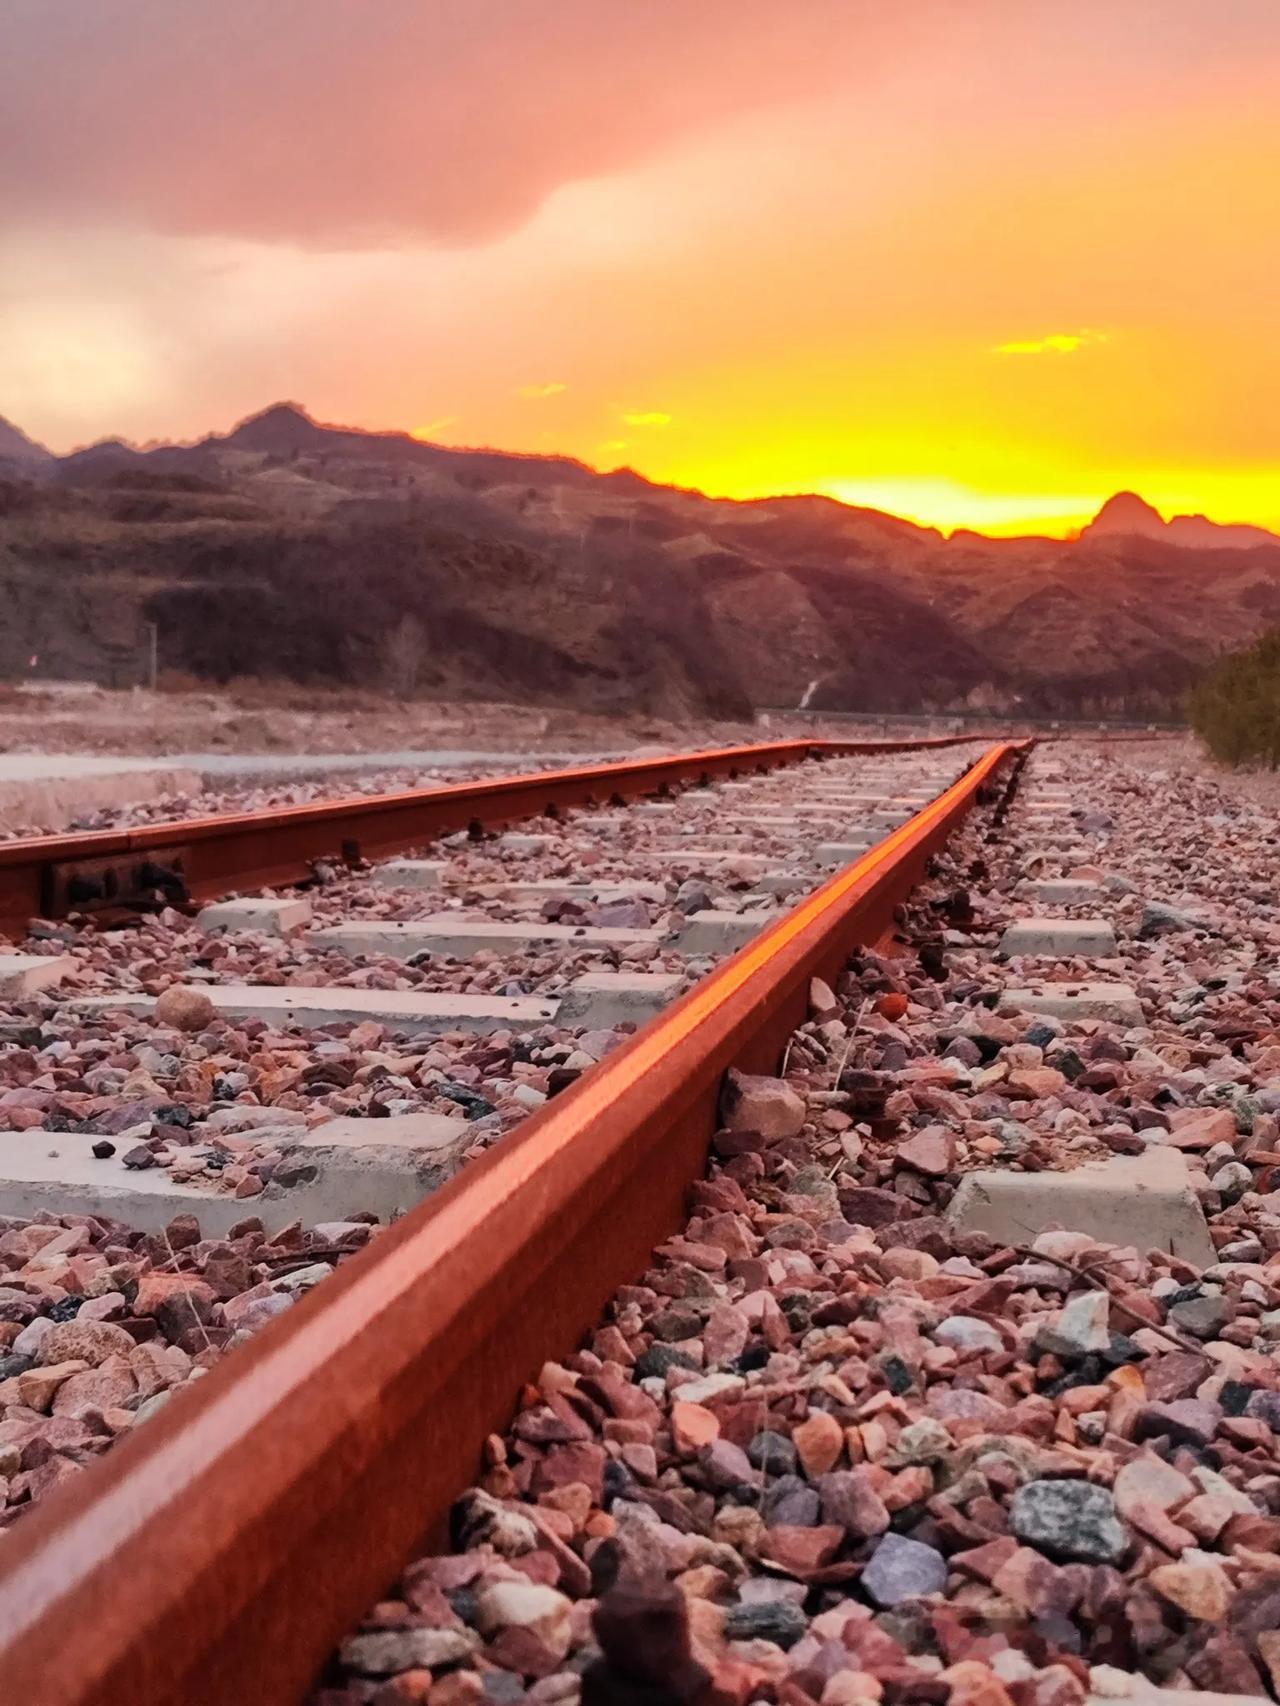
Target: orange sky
(980, 265)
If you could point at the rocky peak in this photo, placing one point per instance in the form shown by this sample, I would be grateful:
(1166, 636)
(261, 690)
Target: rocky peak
(1126, 515)
(279, 430)
(15, 446)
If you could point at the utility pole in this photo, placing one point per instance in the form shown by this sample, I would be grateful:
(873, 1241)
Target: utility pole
(153, 637)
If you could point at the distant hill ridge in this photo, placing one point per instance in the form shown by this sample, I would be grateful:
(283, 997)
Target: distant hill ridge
(287, 547)
(287, 429)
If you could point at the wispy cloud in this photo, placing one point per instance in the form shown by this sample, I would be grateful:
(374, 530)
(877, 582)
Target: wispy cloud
(535, 393)
(432, 429)
(1057, 343)
(646, 418)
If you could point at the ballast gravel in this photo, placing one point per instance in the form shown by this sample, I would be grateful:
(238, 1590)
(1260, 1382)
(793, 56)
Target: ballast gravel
(833, 1449)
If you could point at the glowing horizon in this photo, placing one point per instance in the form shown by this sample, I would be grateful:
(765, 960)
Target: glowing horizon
(935, 502)
(928, 501)
(978, 267)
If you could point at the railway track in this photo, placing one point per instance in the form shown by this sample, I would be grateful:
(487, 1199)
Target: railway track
(748, 1465)
(112, 871)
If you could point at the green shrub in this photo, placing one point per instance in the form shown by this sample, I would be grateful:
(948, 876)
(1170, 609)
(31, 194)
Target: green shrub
(1235, 709)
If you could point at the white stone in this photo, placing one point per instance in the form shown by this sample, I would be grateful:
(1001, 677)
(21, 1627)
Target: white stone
(699, 1391)
(1080, 1327)
(526, 1605)
(965, 1333)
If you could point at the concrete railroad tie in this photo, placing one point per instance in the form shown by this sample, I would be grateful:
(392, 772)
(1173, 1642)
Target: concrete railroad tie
(1145, 1200)
(411, 873)
(459, 938)
(1059, 938)
(265, 917)
(595, 1001)
(29, 974)
(1116, 1002)
(1063, 891)
(400, 1010)
(385, 1165)
(714, 932)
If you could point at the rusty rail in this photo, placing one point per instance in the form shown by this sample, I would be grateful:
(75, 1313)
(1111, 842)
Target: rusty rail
(207, 857)
(220, 1553)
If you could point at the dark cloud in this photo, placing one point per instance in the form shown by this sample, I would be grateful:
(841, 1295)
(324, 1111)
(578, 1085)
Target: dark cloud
(337, 122)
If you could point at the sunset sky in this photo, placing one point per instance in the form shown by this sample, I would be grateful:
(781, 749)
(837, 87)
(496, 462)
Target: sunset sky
(978, 262)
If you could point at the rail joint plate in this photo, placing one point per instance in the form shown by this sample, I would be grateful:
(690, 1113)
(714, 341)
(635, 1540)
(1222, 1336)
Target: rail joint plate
(129, 880)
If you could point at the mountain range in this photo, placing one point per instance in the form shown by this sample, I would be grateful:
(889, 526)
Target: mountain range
(288, 548)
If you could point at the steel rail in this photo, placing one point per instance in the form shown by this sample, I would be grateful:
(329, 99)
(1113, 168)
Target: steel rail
(207, 857)
(219, 1554)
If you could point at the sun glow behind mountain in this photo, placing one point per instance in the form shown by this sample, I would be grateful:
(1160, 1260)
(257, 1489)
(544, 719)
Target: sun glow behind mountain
(947, 505)
(977, 265)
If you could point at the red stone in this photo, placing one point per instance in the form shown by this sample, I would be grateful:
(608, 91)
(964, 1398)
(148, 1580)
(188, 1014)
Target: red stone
(801, 1550)
(564, 1464)
(818, 1442)
(735, 1684)
(1035, 1584)
(1174, 1376)
(1200, 1128)
(692, 1427)
(973, 1684)
(985, 1561)
(155, 1290)
(931, 1152)
(1055, 1685)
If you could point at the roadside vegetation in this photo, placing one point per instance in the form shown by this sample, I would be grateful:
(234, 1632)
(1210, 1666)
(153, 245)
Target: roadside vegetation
(1235, 709)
